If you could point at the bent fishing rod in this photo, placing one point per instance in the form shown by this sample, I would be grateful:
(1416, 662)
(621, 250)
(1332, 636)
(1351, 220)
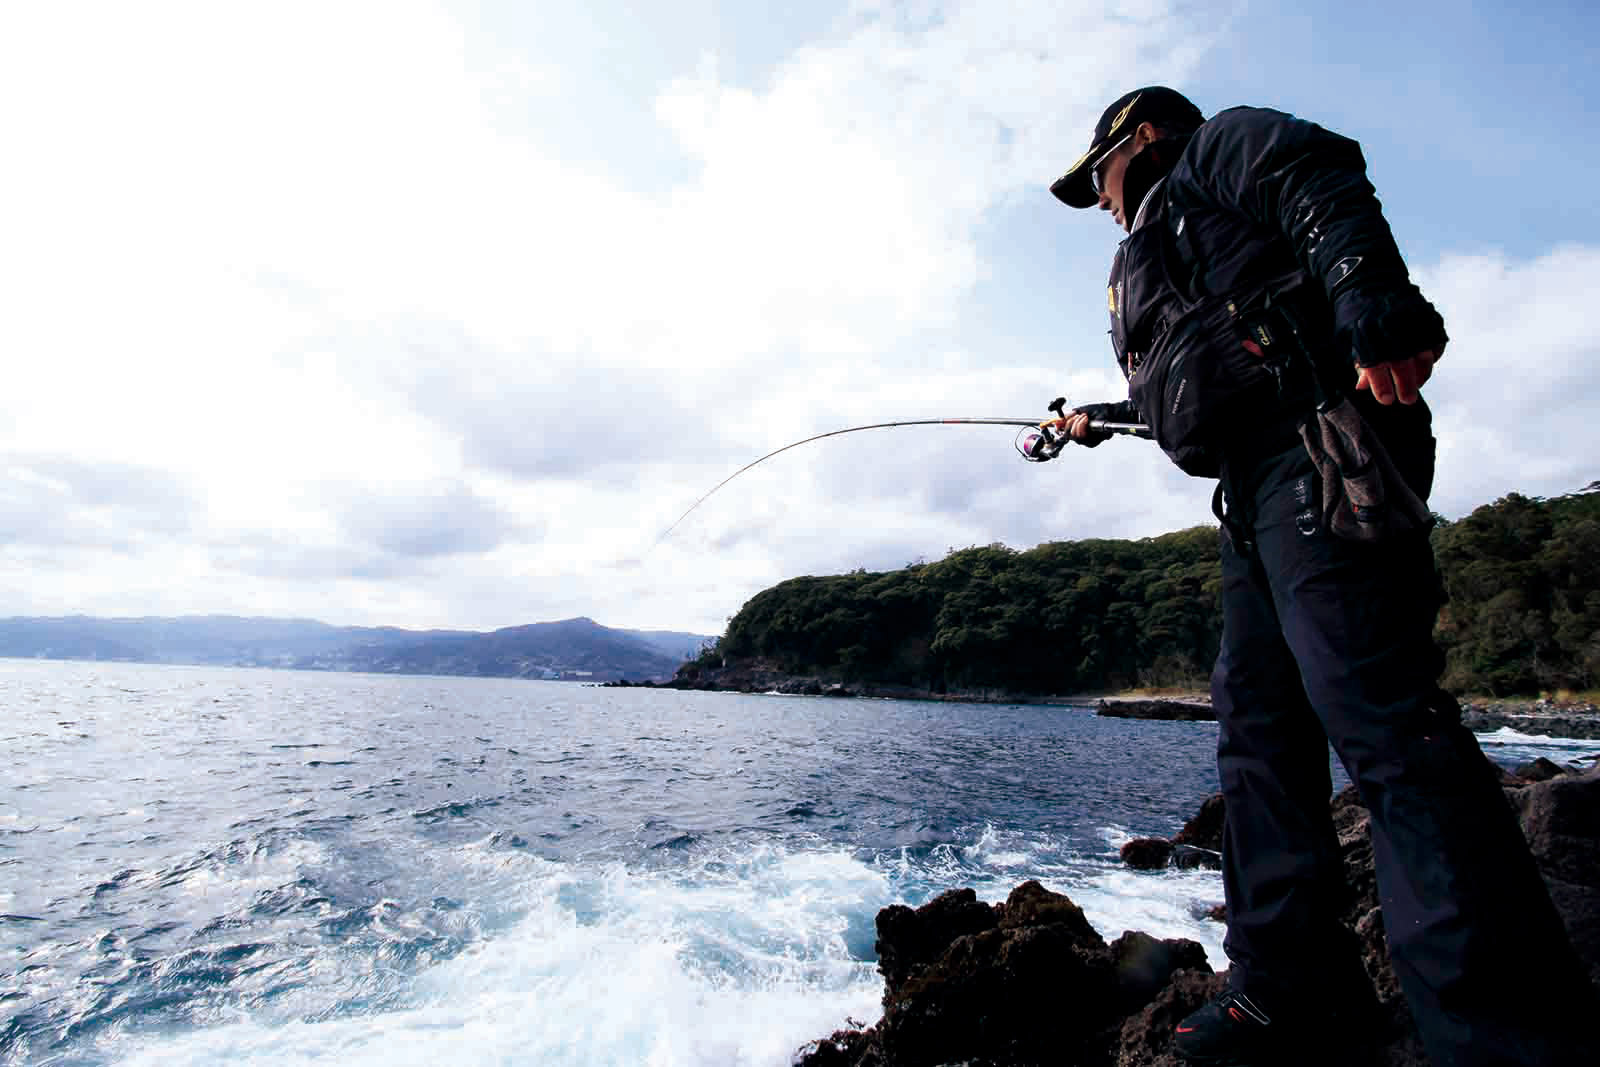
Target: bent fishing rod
(1036, 442)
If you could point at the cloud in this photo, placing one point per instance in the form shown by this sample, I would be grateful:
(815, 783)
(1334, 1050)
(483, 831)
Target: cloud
(56, 500)
(429, 521)
(312, 320)
(1514, 396)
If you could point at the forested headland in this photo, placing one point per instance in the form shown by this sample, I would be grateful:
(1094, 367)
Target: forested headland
(1523, 616)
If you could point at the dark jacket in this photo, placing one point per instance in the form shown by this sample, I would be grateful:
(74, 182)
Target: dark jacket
(1255, 204)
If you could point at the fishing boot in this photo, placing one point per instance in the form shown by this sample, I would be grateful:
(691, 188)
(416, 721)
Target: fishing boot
(1231, 1031)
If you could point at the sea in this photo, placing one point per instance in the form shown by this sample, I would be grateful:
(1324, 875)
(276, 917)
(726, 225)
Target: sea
(240, 866)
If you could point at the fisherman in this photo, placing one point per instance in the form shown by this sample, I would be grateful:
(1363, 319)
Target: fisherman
(1272, 338)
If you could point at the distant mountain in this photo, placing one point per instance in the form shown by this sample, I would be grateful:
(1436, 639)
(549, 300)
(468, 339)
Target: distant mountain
(573, 648)
(213, 639)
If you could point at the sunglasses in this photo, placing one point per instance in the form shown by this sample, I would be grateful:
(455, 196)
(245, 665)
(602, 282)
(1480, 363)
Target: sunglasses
(1098, 180)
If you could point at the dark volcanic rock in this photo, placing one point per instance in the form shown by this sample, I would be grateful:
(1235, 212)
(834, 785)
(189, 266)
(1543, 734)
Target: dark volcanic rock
(1188, 857)
(1145, 1039)
(1561, 819)
(1187, 710)
(1147, 853)
(1143, 965)
(1030, 982)
(1550, 718)
(1198, 844)
(1205, 829)
(1539, 770)
(910, 939)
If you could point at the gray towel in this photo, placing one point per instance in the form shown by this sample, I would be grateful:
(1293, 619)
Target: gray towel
(1364, 498)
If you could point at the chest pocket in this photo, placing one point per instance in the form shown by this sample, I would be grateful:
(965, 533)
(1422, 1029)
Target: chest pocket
(1185, 356)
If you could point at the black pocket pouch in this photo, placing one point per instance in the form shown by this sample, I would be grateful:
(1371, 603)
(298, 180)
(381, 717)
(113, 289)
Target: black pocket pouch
(1189, 382)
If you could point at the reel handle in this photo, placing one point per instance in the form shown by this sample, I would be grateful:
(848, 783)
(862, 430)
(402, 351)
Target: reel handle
(1057, 407)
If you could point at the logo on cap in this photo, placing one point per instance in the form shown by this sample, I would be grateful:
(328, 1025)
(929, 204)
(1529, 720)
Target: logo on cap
(1122, 115)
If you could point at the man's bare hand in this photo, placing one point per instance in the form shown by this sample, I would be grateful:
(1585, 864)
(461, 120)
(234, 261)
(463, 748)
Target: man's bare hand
(1076, 425)
(1399, 380)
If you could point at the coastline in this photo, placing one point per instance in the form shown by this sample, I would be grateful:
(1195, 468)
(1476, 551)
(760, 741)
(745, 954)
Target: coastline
(1576, 719)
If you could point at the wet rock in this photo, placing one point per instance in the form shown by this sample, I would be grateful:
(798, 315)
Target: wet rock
(1198, 844)
(1030, 981)
(1145, 1039)
(1205, 829)
(1144, 964)
(1183, 710)
(1147, 853)
(1540, 770)
(1548, 718)
(1561, 820)
(1188, 858)
(910, 939)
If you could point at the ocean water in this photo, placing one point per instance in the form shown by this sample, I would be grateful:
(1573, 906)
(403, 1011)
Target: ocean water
(204, 866)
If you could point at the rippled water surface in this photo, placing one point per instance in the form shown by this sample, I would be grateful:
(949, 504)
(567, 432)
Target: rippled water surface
(234, 866)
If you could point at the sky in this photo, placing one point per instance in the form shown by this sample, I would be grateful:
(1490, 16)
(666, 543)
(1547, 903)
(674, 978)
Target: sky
(438, 314)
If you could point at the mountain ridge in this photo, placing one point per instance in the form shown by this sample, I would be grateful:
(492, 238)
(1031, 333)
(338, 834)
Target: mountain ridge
(575, 648)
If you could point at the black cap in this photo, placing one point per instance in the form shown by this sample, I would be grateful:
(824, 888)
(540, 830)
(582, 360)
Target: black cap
(1154, 103)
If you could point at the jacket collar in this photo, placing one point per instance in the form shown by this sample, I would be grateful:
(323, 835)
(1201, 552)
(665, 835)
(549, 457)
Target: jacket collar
(1144, 205)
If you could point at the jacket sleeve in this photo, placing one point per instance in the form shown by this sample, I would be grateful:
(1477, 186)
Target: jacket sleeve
(1310, 186)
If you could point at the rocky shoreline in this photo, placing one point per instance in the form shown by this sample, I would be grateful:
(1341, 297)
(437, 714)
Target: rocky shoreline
(1553, 718)
(1571, 719)
(1030, 981)
(1534, 717)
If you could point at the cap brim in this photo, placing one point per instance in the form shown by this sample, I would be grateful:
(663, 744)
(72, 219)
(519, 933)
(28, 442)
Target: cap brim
(1074, 188)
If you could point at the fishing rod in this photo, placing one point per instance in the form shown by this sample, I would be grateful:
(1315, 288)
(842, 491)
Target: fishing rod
(1036, 442)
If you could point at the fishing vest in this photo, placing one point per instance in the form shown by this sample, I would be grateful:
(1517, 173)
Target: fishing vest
(1206, 313)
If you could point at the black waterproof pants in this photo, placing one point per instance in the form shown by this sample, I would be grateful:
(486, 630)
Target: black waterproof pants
(1328, 640)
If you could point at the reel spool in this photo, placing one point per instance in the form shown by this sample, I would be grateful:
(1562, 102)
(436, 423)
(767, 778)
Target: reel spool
(1038, 445)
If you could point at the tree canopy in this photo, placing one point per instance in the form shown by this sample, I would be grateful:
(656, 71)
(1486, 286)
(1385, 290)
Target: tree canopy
(1522, 574)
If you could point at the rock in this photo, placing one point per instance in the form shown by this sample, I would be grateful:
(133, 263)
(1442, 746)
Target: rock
(1144, 964)
(910, 939)
(1188, 858)
(1147, 853)
(1198, 844)
(1581, 721)
(1205, 829)
(1561, 820)
(1031, 904)
(1186, 710)
(1539, 770)
(1145, 1039)
(1031, 982)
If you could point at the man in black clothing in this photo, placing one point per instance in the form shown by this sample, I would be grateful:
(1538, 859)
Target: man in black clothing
(1258, 287)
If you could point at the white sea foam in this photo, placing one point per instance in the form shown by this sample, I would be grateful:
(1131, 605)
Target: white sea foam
(995, 849)
(1507, 736)
(1116, 836)
(1170, 903)
(736, 957)
(738, 960)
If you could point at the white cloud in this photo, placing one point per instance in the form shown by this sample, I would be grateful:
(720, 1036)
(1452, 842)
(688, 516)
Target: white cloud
(1515, 394)
(382, 357)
